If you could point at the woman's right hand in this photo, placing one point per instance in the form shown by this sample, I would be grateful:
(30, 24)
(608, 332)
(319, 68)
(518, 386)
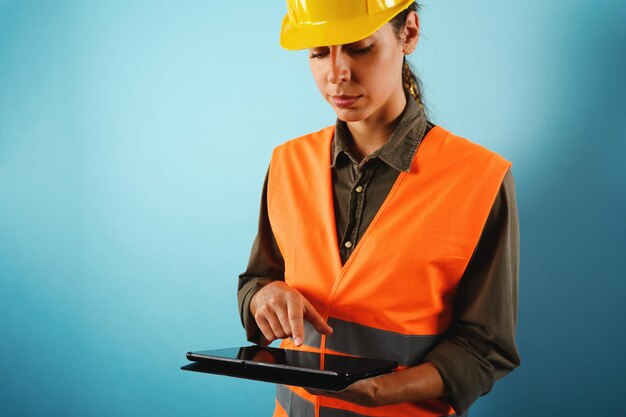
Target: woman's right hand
(280, 311)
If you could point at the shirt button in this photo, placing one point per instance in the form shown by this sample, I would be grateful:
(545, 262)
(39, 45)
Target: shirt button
(348, 244)
(359, 189)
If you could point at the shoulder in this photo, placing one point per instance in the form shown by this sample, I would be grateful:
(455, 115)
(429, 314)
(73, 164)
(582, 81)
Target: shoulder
(459, 144)
(309, 140)
(454, 161)
(305, 149)
(452, 152)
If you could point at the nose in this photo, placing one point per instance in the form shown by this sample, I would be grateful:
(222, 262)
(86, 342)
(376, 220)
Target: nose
(338, 66)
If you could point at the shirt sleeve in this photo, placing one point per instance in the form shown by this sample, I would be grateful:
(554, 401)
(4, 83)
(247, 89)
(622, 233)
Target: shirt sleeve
(266, 264)
(481, 349)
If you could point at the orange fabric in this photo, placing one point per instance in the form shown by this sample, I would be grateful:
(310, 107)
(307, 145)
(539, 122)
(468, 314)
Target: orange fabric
(288, 344)
(403, 274)
(279, 411)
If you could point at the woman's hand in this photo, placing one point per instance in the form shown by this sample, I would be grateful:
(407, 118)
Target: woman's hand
(280, 311)
(363, 392)
(412, 384)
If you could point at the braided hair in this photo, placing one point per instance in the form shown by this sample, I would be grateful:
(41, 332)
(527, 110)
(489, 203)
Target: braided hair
(410, 82)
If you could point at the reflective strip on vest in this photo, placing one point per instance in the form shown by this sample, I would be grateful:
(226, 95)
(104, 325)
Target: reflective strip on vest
(294, 405)
(359, 340)
(297, 406)
(311, 336)
(356, 339)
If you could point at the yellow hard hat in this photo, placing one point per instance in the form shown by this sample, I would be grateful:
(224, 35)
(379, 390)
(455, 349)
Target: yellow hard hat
(313, 23)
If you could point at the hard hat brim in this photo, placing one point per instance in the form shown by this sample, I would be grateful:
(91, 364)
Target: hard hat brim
(335, 33)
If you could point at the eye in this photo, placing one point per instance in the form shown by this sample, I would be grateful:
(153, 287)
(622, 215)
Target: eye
(318, 53)
(361, 51)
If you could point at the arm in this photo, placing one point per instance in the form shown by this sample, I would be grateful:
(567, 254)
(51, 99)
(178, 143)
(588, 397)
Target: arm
(266, 265)
(268, 307)
(481, 348)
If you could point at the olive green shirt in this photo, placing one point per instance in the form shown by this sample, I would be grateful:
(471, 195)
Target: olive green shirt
(480, 348)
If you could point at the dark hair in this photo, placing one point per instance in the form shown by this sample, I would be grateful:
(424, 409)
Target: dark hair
(410, 82)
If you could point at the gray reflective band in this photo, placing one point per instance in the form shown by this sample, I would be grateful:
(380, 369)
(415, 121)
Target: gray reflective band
(357, 339)
(293, 404)
(334, 412)
(311, 336)
(296, 406)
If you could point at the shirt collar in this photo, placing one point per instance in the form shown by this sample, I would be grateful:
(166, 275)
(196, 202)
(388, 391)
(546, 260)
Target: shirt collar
(399, 150)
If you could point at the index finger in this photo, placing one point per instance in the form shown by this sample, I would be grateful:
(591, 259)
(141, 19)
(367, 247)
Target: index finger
(316, 319)
(295, 315)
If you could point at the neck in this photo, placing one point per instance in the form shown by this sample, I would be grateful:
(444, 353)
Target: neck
(372, 133)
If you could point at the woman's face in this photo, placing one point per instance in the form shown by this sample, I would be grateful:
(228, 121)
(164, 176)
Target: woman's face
(363, 80)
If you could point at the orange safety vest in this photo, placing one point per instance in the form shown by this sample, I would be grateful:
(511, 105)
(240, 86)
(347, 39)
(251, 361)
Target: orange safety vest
(393, 297)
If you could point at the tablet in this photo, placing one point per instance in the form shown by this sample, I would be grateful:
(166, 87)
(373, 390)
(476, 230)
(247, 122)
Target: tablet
(290, 367)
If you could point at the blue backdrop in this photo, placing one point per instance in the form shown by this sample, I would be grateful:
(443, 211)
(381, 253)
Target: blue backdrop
(134, 137)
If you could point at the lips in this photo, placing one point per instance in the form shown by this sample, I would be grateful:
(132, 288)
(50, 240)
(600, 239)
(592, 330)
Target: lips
(344, 101)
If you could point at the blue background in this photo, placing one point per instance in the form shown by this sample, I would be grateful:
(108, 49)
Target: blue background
(134, 137)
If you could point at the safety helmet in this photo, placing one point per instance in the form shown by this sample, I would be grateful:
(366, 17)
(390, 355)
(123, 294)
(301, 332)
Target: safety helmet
(313, 23)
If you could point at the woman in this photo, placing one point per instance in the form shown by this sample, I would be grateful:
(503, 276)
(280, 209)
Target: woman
(384, 235)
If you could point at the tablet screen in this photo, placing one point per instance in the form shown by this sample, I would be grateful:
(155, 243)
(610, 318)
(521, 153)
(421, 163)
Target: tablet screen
(291, 367)
(295, 359)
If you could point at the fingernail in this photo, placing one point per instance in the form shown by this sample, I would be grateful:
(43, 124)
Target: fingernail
(297, 341)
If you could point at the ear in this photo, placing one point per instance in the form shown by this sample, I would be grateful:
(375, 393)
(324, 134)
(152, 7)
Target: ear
(411, 33)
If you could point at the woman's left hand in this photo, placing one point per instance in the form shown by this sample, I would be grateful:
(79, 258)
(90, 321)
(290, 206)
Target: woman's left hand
(362, 392)
(411, 384)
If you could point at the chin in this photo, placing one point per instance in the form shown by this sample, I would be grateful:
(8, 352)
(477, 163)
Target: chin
(349, 115)
(348, 119)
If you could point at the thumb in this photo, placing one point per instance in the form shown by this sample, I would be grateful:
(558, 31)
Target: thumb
(316, 319)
